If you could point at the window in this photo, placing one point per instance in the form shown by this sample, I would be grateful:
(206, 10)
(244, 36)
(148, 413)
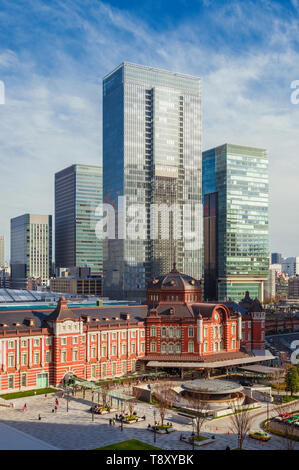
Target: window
(24, 343)
(133, 334)
(263, 336)
(113, 335)
(104, 336)
(36, 342)
(11, 360)
(178, 348)
(233, 329)
(178, 332)
(36, 358)
(233, 343)
(75, 339)
(153, 331)
(123, 349)
(48, 341)
(93, 371)
(133, 348)
(249, 324)
(63, 356)
(142, 347)
(48, 356)
(190, 331)
(113, 368)
(24, 380)
(104, 370)
(113, 350)
(93, 338)
(206, 331)
(263, 323)
(23, 359)
(205, 346)
(11, 344)
(163, 348)
(123, 335)
(191, 346)
(124, 367)
(170, 332)
(153, 346)
(170, 348)
(63, 341)
(142, 333)
(163, 332)
(104, 351)
(10, 381)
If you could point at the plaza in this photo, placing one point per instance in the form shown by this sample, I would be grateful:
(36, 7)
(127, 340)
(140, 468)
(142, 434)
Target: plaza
(78, 429)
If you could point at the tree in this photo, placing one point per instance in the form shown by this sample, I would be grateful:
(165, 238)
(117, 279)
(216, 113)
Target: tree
(201, 408)
(240, 423)
(292, 380)
(165, 396)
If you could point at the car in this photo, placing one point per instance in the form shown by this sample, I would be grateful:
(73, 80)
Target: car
(260, 435)
(284, 416)
(246, 383)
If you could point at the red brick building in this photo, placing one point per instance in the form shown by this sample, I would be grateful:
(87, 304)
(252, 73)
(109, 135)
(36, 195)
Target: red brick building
(37, 348)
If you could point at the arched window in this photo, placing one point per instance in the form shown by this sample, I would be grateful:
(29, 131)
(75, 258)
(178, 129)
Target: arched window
(163, 348)
(170, 332)
(178, 348)
(153, 346)
(191, 346)
(163, 331)
(170, 348)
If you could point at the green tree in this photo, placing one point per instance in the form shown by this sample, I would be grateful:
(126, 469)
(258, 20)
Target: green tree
(292, 380)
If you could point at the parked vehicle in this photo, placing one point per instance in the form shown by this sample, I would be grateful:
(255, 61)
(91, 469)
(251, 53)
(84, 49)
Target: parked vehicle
(246, 383)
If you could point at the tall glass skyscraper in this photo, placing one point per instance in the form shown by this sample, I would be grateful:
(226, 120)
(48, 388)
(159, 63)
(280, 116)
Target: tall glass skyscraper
(152, 156)
(2, 251)
(78, 194)
(31, 249)
(235, 196)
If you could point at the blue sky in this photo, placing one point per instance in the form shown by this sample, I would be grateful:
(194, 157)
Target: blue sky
(53, 56)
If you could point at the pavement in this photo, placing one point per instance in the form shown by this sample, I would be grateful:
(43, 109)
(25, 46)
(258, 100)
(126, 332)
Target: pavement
(74, 429)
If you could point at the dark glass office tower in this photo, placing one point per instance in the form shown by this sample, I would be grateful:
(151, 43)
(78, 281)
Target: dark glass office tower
(152, 156)
(235, 192)
(276, 258)
(78, 193)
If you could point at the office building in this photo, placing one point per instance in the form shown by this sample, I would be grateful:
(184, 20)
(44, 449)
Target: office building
(290, 265)
(293, 292)
(77, 281)
(276, 258)
(2, 251)
(31, 249)
(152, 157)
(235, 192)
(78, 194)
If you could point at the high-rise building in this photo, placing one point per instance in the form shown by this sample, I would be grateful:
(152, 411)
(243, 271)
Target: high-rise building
(31, 249)
(290, 265)
(78, 195)
(235, 192)
(152, 157)
(276, 258)
(2, 251)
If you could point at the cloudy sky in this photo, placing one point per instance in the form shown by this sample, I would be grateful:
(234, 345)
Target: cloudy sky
(53, 56)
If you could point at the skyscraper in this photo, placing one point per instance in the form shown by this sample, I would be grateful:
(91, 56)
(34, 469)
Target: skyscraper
(31, 249)
(78, 194)
(2, 251)
(276, 258)
(152, 157)
(235, 192)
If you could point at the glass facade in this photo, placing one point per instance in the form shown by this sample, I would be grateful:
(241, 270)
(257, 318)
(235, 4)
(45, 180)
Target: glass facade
(31, 248)
(239, 175)
(78, 193)
(151, 155)
(2, 251)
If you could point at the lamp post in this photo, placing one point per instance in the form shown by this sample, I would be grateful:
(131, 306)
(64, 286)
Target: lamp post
(67, 400)
(192, 434)
(155, 430)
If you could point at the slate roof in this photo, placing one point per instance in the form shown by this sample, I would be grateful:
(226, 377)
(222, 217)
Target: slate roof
(173, 281)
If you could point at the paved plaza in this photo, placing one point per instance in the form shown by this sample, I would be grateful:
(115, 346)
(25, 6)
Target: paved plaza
(74, 429)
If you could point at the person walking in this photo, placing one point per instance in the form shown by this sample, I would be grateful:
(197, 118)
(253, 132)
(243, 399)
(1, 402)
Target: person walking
(56, 401)
(25, 407)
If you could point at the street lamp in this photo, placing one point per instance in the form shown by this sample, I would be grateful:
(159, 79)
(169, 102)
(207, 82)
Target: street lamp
(67, 400)
(155, 430)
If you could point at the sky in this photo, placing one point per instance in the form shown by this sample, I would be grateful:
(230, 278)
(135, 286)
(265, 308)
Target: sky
(53, 56)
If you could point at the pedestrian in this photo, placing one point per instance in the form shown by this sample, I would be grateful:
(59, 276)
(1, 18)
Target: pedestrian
(55, 408)
(56, 401)
(39, 417)
(110, 421)
(25, 407)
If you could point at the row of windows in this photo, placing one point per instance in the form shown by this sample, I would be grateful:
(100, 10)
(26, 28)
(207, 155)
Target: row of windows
(171, 331)
(24, 358)
(171, 348)
(24, 343)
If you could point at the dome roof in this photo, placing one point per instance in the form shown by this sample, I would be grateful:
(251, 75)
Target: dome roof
(174, 281)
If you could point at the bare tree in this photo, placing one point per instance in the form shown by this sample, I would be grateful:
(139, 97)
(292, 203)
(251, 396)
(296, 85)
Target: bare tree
(240, 423)
(165, 396)
(201, 412)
